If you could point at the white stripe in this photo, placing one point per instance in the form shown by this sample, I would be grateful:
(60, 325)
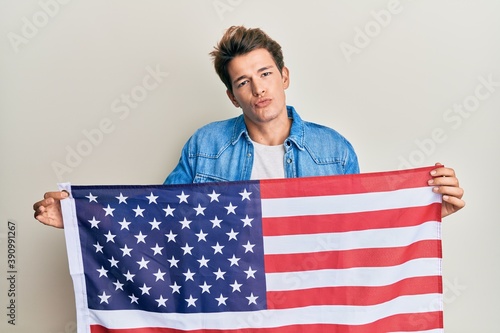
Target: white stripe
(75, 261)
(349, 203)
(347, 315)
(375, 238)
(359, 276)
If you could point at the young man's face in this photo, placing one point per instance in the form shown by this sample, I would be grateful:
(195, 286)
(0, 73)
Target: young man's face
(258, 87)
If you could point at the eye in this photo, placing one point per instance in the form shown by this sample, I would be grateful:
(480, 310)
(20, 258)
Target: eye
(266, 73)
(242, 83)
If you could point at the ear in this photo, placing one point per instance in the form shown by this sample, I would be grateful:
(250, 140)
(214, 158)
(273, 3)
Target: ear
(232, 98)
(285, 75)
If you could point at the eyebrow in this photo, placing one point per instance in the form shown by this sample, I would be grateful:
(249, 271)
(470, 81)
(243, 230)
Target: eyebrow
(260, 70)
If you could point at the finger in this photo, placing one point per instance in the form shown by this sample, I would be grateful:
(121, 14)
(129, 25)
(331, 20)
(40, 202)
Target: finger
(444, 181)
(59, 195)
(451, 191)
(443, 172)
(455, 201)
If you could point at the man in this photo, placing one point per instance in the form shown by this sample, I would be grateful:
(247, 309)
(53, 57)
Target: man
(269, 139)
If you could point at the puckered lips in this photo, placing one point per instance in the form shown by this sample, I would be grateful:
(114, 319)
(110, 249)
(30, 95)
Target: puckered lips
(263, 102)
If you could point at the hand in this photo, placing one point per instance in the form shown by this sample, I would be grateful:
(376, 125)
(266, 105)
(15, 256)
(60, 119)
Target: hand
(446, 183)
(48, 210)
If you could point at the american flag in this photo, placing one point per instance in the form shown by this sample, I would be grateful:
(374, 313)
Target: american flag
(350, 253)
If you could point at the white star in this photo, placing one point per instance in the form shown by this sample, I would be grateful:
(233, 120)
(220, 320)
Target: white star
(94, 223)
(232, 235)
(217, 248)
(252, 299)
(118, 285)
(129, 276)
(169, 211)
(191, 301)
(230, 208)
(216, 222)
(159, 275)
(141, 238)
(247, 221)
(205, 288)
(152, 198)
(183, 197)
(98, 247)
(126, 251)
(250, 272)
(221, 299)
(102, 272)
(185, 223)
(236, 286)
(219, 274)
(245, 195)
(133, 299)
(171, 236)
(155, 224)
(200, 210)
(233, 260)
(214, 196)
(145, 289)
(189, 275)
(143, 263)
(187, 249)
(201, 236)
(138, 211)
(104, 298)
(91, 197)
(157, 249)
(109, 211)
(124, 224)
(173, 262)
(248, 247)
(110, 237)
(203, 261)
(175, 288)
(113, 262)
(122, 199)
(161, 301)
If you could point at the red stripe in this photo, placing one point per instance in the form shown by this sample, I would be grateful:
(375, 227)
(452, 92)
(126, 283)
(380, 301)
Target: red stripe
(353, 295)
(345, 184)
(370, 257)
(390, 218)
(402, 322)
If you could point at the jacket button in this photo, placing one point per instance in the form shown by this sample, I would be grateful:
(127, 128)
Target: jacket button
(288, 160)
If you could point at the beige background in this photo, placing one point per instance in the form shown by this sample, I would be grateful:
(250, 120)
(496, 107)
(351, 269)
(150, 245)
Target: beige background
(389, 75)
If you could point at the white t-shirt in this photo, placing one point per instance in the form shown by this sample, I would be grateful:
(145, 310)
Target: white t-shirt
(268, 161)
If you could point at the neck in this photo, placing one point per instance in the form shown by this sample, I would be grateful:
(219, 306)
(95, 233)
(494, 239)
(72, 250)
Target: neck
(270, 134)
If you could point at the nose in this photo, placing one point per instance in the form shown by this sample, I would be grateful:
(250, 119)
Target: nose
(258, 90)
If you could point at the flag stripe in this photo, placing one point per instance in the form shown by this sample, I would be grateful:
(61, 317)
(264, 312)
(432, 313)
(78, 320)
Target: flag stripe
(355, 295)
(362, 276)
(367, 257)
(427, 322)
(347, 184)
(350, 240)
(389, 218)
(348, 203)
(331, 314)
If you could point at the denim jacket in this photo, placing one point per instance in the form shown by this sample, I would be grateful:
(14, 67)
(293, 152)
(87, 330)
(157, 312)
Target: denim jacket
(222, 151)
